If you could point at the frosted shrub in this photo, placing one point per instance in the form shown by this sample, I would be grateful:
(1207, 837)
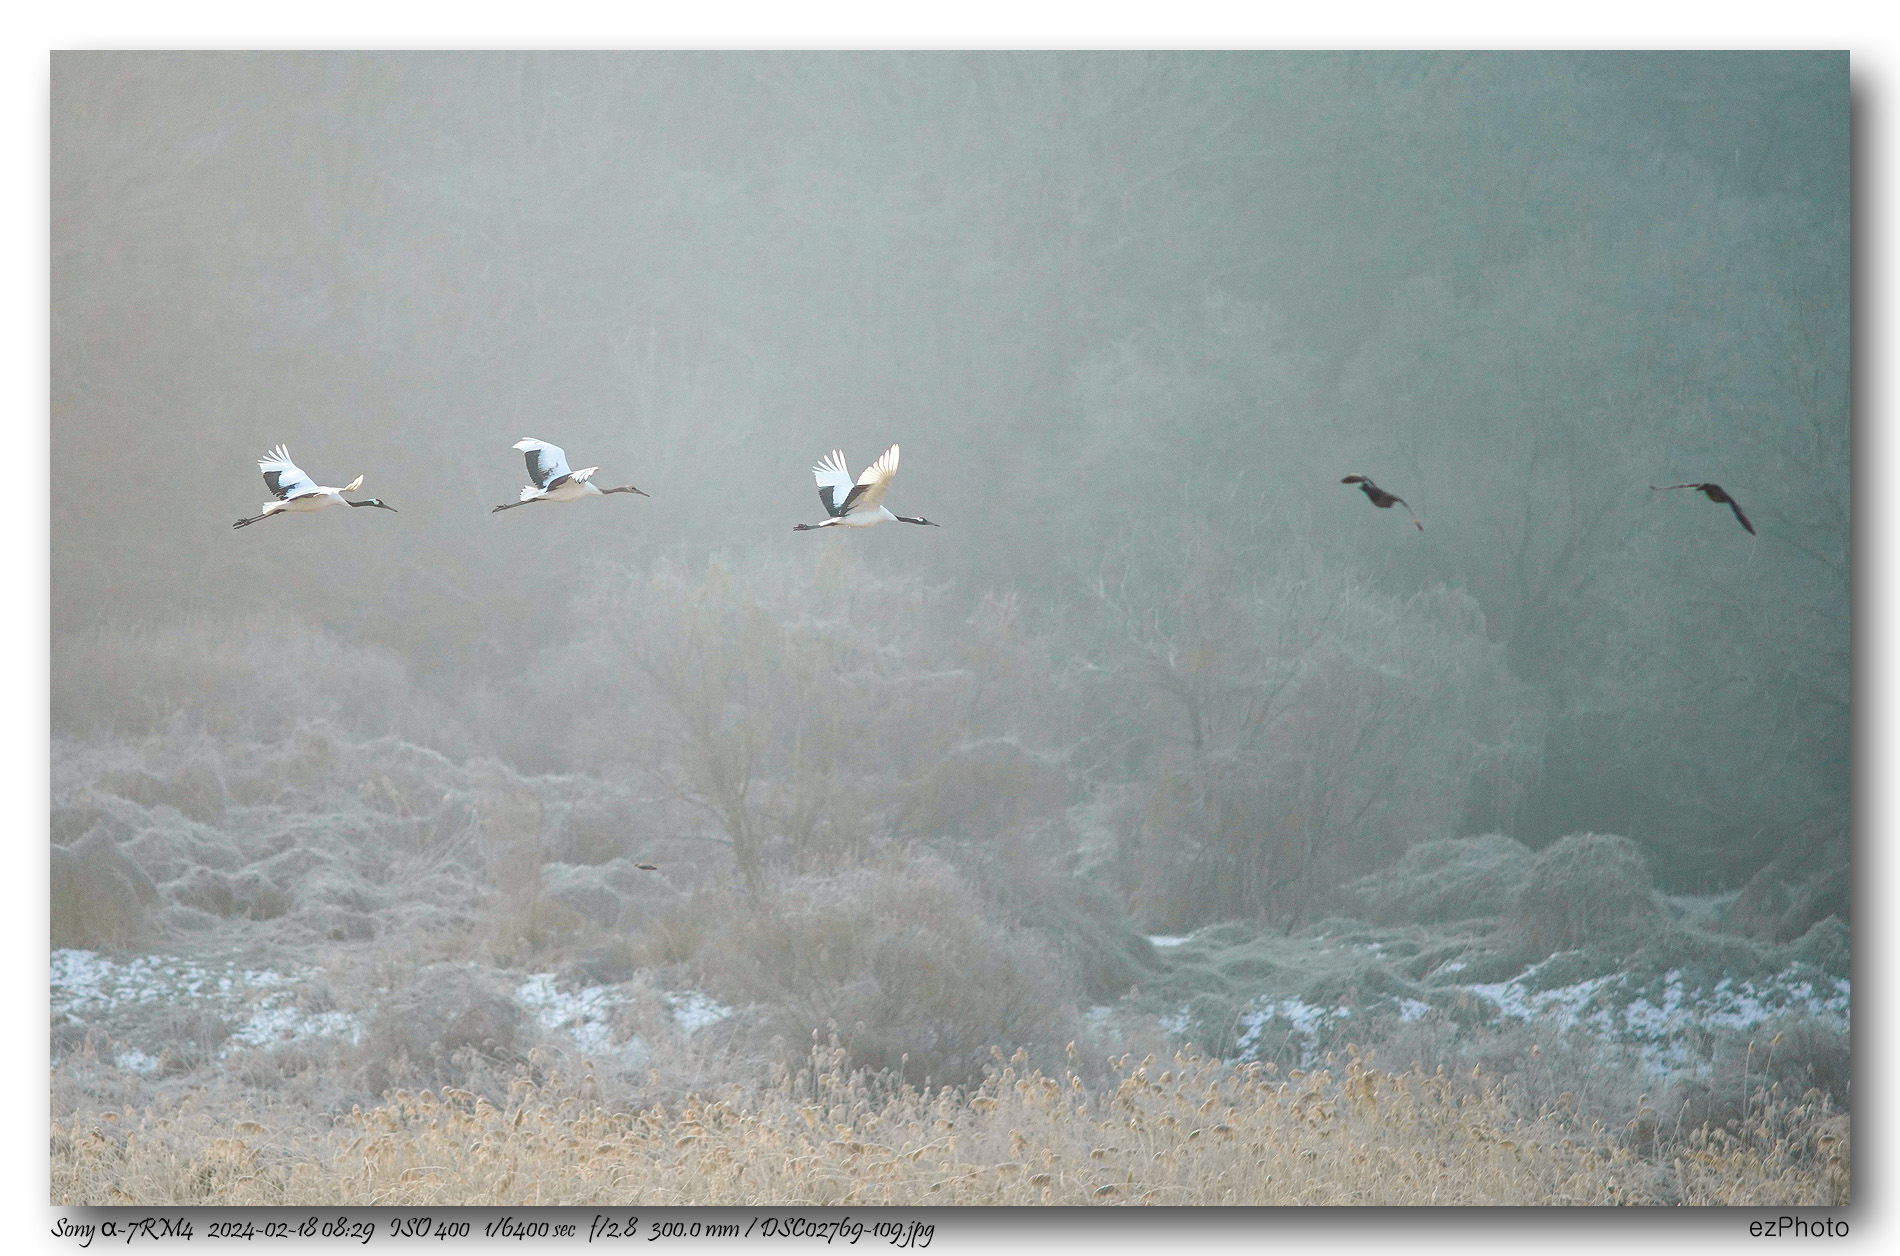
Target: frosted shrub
(1588, 887)
(1287, 726)
(904, 964)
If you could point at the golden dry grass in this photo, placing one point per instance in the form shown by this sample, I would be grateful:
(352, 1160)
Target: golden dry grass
(1191, 1132)
(1790, 1153)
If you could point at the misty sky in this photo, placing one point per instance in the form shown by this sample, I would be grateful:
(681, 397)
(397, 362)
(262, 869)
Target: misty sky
(1095, 297)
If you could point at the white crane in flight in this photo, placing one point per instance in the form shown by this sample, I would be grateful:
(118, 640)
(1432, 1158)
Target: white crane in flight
(553, 482)
(297, 493)
(859, 503)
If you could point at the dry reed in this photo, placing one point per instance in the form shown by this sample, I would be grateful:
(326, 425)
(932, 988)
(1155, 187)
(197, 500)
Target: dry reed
(1186, 1131)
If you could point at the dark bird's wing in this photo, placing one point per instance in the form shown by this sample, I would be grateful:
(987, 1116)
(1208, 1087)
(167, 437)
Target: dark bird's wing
(1739, 516)
(1394, 497)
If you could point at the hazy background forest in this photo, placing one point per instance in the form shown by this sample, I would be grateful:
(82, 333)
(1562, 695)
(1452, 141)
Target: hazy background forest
(1131, 317)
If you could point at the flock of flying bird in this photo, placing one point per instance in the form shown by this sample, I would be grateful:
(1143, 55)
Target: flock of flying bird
(848, 503)
(1714, 492)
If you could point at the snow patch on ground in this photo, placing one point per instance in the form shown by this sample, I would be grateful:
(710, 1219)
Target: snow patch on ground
(1660, 1019)
(260, 1005)
(693, 1010)
(265, 1007)
(136, 1061)
(1658, 1029)
(586, 1015)
(1564, 1003)
(1297, 1020)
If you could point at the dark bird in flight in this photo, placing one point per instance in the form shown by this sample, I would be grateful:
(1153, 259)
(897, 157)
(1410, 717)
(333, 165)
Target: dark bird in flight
(1379, 497)
(647, 867)
(1715, 493)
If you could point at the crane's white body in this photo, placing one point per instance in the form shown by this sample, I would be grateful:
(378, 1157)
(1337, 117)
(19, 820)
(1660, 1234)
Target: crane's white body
(856, 503)
(316, 499)
(578, 484)
(553, 481)
(861, 519)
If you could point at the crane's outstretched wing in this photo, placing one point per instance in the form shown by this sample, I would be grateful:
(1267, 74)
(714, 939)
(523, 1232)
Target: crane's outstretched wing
(547, 464)
(868, 493)
(1739, 516)
(834, 482)
(284, 478)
